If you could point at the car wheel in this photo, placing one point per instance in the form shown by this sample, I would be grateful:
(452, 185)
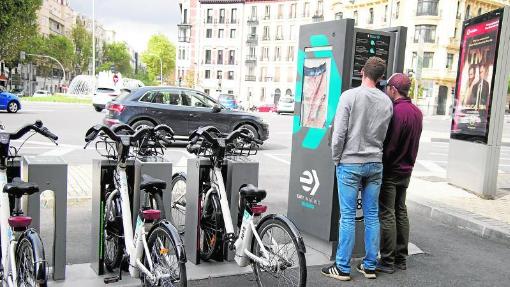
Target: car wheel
(98, 109)
(142, 123)
(251, 129)
(12, 107)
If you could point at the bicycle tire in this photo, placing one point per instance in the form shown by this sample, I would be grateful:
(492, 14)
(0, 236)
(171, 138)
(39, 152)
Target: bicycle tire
(158, 199)
(178, 214)
(212, 220)
(301, 260)
(27, 250)
(113, 231)
(180, 265)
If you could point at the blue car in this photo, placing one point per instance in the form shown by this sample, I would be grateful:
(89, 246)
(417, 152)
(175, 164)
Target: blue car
(9, 102)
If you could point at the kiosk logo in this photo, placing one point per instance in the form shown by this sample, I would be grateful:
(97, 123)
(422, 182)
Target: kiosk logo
(310, 181)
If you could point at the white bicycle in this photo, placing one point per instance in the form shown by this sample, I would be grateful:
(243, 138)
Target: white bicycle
(23, 261)
(155, 252)
(271, 244)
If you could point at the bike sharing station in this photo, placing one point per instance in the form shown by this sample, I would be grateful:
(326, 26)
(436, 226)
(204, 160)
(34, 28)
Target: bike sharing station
(330, 58)
(477, 125)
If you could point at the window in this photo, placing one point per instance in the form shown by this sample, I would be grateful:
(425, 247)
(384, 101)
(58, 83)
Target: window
(291, 32)
(385, 13)
(428, 59)
(220, 57)
(355, 18)
(290, 54)
(427, 7)
(207, 56)
(339, 16)
(371, 16)
(277, 54)
(279, 34)
(427, 33)
(267, 15)
(306, 9)
(253, 32)
(449, 61)
(468, 11)
(167, 97)
(185, 16)
(266, 33)
(254, 12)
(194, 99)
(232, 33)
(221, 33)
(222, 16)
(230, 75)
(265, 54)
(230, 92)
(207, 74)
(208, 33)
(292, 13)
(263, 74)
(231, 57)
(209, 16)
(233, 16)
(219, 74)
(479, 11)
(397, 10)
(252, 52)
(458, 9)
(280, 11)
(320, 10)
(206, 91)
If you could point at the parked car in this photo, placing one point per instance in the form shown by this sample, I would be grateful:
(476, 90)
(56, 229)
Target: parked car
(17, 92)
(266, 108)
(184, 110)
(102, 96)
(228, 101)
(41, 93)
(9, 102)
(285, 105)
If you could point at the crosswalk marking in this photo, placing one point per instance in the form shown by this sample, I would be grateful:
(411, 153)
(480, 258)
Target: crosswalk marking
(432, 166)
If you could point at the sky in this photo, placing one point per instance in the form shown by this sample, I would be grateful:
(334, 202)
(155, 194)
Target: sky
(134, 21)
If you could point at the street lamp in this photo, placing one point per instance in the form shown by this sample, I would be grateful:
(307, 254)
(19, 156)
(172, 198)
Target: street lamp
(23, 54)
(160, 67)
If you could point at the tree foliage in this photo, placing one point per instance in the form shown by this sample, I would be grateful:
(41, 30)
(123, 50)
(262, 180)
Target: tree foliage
(82, 40)
(117, 55)
(56, 46)
(159, 46)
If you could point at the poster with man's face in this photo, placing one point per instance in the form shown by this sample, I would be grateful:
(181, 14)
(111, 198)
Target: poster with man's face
(315, 92)
(475, 81)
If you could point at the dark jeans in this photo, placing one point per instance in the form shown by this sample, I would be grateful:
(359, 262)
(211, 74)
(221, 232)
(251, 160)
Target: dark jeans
(393, 219)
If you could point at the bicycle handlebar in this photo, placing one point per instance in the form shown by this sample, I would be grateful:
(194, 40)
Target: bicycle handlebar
(37, 127)
(122, 127)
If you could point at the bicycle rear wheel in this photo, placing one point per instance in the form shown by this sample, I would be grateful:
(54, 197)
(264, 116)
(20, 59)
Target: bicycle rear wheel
(113, 231)
(30, 261)
(211, 227)
(179, 202)
(287, 265)
(163, 254)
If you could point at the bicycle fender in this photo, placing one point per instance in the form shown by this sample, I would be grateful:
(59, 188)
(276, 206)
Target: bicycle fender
(180, 173)
(177, 241)
(295, 231)
(38, 253)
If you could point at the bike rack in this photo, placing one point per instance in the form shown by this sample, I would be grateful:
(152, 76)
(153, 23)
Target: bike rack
(49, 173)
(102, 171)
(236, 172)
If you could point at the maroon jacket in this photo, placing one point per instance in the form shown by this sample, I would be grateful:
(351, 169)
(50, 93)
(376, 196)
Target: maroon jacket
(403, 138)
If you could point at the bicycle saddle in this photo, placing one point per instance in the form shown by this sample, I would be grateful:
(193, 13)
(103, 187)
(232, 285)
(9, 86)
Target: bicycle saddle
(252, 193)
(149, 183)
(18, 188)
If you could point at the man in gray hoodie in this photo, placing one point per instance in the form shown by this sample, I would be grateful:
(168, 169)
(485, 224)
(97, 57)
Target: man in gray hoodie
(360, 126)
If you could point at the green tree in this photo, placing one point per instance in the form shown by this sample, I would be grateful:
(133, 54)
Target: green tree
(143, 76)
(117, 55)
(159, 46)
(82, 41)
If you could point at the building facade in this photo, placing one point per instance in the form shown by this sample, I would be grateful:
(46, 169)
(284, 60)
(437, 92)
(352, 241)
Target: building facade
(433, 39)
(56, 17)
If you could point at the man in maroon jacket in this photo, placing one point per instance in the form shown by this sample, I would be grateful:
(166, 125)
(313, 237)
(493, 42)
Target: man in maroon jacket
(399, 155)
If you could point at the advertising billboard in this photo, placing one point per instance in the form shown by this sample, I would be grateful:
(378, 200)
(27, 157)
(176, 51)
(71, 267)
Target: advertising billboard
(315, 92)
(475, 78)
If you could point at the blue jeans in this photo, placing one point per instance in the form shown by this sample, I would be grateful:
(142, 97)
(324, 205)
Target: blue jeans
(350, 177)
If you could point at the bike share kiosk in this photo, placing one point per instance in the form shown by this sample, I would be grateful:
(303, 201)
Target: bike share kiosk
(330, 58)
(102, 176)
(236, 171)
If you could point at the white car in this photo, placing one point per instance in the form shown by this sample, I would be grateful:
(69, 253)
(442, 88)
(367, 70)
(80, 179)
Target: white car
(103, 96)
(41, 93)
(285, 105)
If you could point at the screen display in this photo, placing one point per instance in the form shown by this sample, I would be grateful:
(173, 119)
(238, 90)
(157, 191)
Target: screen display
(315, 92)
(475, 80)
(368, 45)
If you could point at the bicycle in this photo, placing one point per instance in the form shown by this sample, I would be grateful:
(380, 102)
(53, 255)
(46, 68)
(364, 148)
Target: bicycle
(271, 244)
(24, 263)
(155, 256)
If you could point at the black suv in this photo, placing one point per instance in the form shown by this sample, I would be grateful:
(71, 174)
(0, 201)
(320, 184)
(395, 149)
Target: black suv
(184, 110)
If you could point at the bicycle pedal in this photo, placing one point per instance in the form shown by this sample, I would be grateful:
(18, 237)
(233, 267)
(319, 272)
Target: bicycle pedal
(111, 280)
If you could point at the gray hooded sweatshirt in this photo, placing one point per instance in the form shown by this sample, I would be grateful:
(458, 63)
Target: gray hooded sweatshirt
(360, 125)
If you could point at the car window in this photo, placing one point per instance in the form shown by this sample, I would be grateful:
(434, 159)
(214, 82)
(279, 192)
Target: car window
(194, 99)
(147, 97)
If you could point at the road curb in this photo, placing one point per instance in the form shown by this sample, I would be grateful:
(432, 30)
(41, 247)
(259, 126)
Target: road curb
(484, 227)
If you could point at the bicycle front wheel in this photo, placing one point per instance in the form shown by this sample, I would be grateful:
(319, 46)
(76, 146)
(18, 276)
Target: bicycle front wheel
(287, 265)
(163, 254)
(179, 202)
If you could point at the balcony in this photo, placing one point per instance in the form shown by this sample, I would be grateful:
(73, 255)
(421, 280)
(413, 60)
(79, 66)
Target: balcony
(184, 33)
(252, 39)
(251, 59)
(318, 18)
(253, 21)
(250, 78)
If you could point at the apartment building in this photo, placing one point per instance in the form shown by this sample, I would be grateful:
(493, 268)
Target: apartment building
(433, 39)
(244, 47)
(56, 17)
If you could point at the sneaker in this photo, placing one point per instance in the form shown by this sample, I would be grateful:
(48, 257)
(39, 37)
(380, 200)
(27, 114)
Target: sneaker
(370, 274)
(333, 272)
(384, 268)
(401, 265)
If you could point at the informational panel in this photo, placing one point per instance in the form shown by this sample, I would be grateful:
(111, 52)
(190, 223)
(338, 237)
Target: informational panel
(475, 80)
(315, 92)
(369, 45)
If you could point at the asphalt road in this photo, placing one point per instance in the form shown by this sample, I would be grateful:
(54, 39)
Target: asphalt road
(70, 123)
